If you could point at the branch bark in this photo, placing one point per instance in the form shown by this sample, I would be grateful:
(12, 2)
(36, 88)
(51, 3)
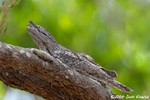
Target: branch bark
(21, 68)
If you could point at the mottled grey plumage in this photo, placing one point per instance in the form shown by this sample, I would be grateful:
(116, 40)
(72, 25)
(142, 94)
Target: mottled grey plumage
(82, 63)
(89, 58)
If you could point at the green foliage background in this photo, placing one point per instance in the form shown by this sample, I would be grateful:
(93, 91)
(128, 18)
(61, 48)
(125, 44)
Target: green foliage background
(116, 33)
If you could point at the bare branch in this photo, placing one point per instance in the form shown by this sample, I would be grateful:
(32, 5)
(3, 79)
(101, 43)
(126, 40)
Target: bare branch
(23, 68)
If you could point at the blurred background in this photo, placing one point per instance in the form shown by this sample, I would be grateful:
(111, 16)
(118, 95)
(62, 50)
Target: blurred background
(116, 33)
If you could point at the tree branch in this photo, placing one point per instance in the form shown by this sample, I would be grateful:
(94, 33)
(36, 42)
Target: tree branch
(23, 69)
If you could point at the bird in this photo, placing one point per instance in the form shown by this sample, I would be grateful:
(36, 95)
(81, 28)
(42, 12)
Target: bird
(82, 63)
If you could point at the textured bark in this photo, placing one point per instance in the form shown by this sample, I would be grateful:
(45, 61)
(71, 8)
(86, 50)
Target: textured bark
(21, 68)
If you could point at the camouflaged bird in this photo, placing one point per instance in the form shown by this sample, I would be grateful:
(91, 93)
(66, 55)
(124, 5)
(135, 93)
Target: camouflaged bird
(82, 63)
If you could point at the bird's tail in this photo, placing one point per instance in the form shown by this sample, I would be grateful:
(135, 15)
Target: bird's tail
(119, 86)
